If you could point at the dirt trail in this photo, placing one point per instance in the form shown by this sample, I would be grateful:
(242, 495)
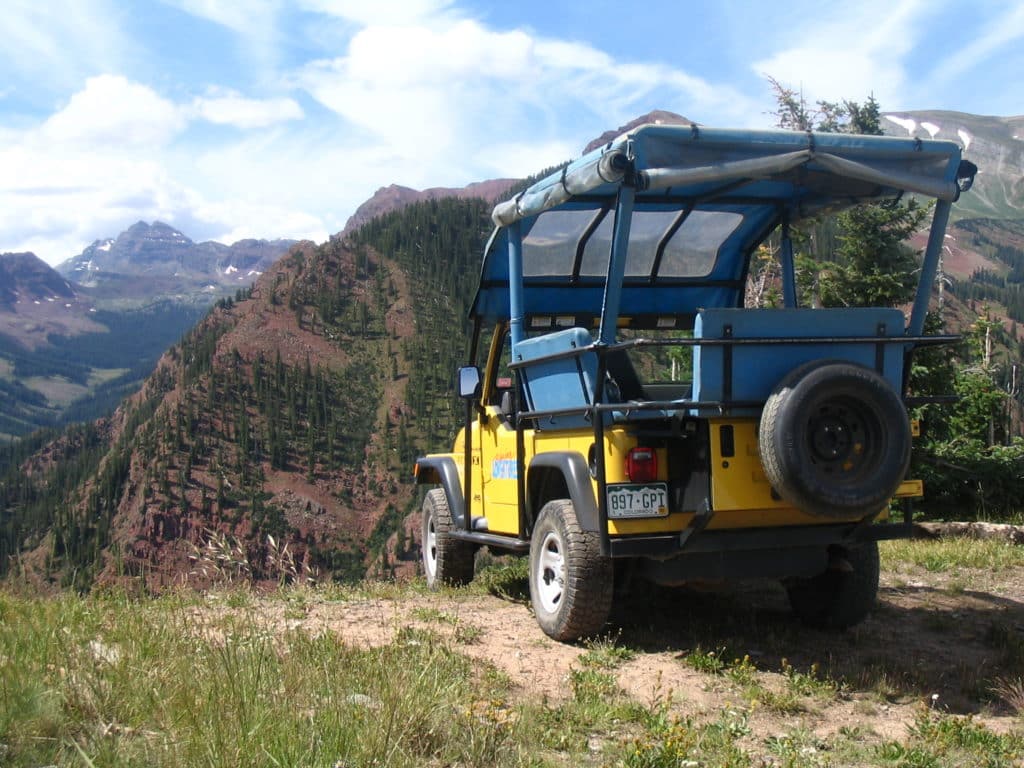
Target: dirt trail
(933, 641)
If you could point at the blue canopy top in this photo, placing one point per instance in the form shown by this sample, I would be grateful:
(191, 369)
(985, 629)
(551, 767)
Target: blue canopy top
(704, 199)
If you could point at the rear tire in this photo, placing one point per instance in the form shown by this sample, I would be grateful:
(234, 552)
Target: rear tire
(841, 596)
(571, 583)
(445, 560)
(834, 440)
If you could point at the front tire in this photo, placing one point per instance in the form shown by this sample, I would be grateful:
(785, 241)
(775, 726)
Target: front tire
(445, 560)
(570, 581)
(844, 594)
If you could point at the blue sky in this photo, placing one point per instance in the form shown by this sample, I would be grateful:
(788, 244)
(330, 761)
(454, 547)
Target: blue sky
(266, 118)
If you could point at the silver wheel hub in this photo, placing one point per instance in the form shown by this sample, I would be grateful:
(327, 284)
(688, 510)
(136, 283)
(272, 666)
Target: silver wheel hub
(430, 549)
(549, 577)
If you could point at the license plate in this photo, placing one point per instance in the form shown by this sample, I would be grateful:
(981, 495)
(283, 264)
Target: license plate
(649, 500)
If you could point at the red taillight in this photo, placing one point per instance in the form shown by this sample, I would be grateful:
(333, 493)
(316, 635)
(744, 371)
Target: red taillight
(642, 465)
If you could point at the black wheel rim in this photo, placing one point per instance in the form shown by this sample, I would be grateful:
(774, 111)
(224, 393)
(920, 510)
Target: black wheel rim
(844, 438)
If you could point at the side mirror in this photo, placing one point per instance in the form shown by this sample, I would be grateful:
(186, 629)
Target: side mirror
(469, 382)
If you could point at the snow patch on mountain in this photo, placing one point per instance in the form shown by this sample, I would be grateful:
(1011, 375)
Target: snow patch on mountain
(909, 124)
(965, 137)
(932, 128)
(230, 270)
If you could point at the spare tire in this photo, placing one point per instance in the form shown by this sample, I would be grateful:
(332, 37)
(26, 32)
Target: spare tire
(834, 440)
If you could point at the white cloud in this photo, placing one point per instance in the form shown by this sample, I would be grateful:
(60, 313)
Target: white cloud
(440, 100)
(111, 109)
(238, 221)
(64, 198)
(454, 87)
(110, 158)
(231, 108)
(256, 23)
(437, 100)
(373, 13)
(94, 166)
(244, 18)
(57, 42)
(827, 60)
(508, 160)
(998, 32)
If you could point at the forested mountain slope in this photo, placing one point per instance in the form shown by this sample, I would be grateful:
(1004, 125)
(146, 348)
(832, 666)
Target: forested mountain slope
(295, 410)
(293, 413)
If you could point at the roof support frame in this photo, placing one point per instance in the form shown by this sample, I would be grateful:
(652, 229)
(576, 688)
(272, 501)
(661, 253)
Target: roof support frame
(616, 264)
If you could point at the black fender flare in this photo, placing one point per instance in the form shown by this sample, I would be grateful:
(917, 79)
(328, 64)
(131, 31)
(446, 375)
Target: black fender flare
(442, 470)
(576, 475)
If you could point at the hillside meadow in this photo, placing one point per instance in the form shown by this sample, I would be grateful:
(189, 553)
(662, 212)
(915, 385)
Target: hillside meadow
(387, 674)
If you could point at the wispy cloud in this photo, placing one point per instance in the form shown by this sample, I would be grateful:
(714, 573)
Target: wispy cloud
(373, 14)
(256, 26)
(852, 53)
(231, 108)
(279, 117)
(996, 34)
(460, 84)
(54, 44)
(244, 18)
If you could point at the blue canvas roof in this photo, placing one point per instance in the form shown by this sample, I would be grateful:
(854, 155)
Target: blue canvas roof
(704, 199)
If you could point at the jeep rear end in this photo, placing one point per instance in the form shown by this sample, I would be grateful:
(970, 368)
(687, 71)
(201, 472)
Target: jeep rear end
(631, 410)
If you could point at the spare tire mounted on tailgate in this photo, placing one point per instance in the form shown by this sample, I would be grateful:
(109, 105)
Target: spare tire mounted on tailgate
(834, 439)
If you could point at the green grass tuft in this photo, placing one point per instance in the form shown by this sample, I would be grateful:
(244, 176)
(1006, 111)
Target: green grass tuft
(951, 554)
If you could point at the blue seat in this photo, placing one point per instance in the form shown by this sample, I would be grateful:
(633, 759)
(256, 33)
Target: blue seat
(567, 382)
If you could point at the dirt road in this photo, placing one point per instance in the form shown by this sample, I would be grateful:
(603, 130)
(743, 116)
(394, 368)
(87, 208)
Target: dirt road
(941, 640)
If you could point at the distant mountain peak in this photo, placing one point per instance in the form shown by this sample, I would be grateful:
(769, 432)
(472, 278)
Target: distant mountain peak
(657, 116)
(24, 276)
(395, 196)
(156, 260)
(157, 232)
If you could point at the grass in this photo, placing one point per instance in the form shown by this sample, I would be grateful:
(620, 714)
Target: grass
(951, 554)
(810, 683)
(466, 634)
(114, 682)
(196, 679)
(507, 578)
(1010, 690)
(606, 653)
(434, 615)
(708, 662)
(790, 699)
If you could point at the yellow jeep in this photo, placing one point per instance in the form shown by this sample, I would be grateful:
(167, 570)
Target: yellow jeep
(633, 419)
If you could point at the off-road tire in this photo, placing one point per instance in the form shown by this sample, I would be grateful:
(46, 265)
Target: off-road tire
(841, 596)
(571, 583)
(445, 560)
(834, 440)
